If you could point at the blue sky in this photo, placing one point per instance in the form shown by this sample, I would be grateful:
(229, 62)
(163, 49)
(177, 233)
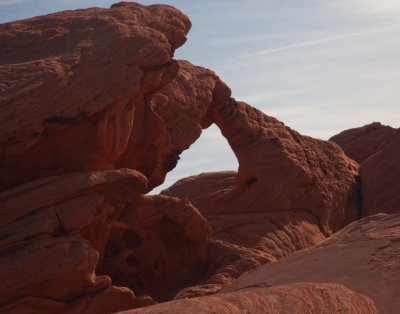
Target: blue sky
(320, 66)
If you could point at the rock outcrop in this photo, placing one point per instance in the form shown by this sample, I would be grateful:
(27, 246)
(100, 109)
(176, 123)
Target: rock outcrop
(380, 177)
(94, 111)
(204, 188)
(361, 143)
(95, 71)
(281, 170)
(157, 246)
(284, 299)
(53, 237)
(364, 257)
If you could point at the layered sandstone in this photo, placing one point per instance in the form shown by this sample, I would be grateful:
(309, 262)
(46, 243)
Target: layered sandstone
(53, 237)
(94, 111)
(95, 71)
(364, 257)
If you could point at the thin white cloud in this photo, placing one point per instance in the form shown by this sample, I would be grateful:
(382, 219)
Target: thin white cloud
(322, 40)
(8, 2)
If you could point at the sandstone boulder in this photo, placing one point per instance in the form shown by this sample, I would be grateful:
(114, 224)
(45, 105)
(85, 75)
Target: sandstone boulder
(202, 189)
(360, 143)
(83, 78)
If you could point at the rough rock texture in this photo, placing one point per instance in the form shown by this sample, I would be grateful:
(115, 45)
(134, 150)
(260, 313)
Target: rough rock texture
(157, 246)
(360, 143)
(95, 71)
(54, 232)
(292, 298)
(380, 177)
(364, 256)
(289, 187)
(241, 242)
(281, 170)
(94, 111)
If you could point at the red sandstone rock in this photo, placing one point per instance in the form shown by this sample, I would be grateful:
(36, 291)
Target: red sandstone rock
(202, 189)
(360, 143)
(157, 246)
(53, 235)
(281, 170)
(170, 123)
(364, 257)
(97, 89)
(241, 242)
(380, 178)
(83, 78)
(288, 299)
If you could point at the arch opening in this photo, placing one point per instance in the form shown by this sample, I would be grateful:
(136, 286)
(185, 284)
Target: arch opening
(211, 152)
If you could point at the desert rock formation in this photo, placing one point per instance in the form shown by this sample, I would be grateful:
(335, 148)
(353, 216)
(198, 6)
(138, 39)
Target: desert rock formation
(95, 111)
(284, 299)
(364, 256)
(380, 176)
(361, 143)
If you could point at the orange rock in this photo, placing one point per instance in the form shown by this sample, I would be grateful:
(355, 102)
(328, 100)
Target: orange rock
(364, 256)
(80, 78)
(157, 246)
(290, 298)
(361, 143)
(380, 178)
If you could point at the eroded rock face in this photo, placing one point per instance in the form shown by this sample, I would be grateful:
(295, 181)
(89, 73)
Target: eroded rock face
(290, 298)
(89, 95)
(281, 170)
(54, 232)
(179, 109)
(363, 256)
(242, 242)
(360, 143)
(94, 70)
(157, 246)
(380, 177)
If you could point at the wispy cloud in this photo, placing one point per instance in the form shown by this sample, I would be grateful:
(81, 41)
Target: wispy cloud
(9, 2)
(323, 40)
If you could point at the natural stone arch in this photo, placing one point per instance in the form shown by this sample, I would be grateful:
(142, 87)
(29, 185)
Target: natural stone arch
(279, 169)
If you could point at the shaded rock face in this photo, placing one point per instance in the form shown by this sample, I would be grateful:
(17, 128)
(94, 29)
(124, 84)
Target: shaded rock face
(53, 237)
(157, 246)
(95, 70)
(364, 257)
(361, 143)
(380, 177)
(290, 298)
